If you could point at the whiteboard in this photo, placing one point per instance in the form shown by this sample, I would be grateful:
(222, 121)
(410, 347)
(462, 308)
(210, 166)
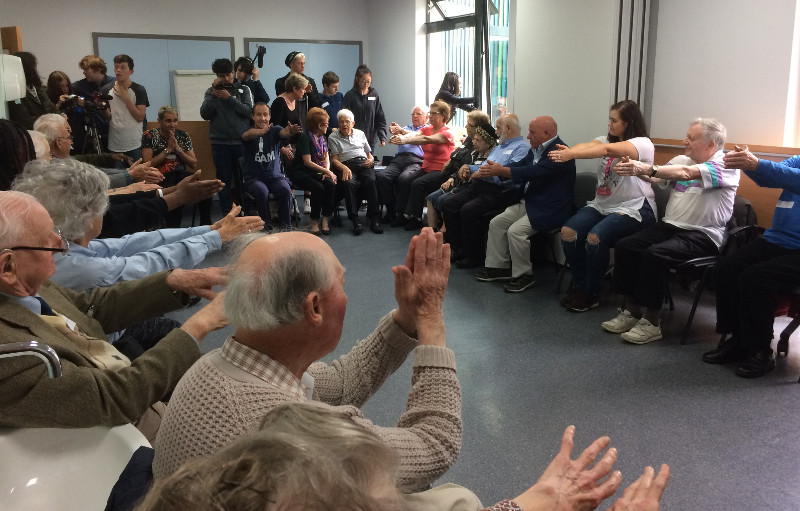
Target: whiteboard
(190, 87)
(341, 57)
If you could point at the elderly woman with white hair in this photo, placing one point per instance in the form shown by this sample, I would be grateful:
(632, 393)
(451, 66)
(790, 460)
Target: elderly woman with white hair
(308, 457)
(353, 163)
(74, 194)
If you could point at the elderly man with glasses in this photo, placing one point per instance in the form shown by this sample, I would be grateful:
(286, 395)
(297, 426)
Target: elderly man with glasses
(100, 385)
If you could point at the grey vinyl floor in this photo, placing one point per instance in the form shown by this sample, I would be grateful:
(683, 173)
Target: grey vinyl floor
(528, 368)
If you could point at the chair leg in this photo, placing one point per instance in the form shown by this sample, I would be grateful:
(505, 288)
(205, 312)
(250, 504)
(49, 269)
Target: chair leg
(668, 296)
(783, 340)
(694, 306)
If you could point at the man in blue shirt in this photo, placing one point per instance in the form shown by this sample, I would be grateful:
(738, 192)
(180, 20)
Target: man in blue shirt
(464, 213)
(262, 165)
(406, 165)
(749, 281)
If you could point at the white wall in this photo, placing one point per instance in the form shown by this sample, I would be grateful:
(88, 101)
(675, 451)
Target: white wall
(60, 35)
(562, 65)
(728, 59)
(397, 41)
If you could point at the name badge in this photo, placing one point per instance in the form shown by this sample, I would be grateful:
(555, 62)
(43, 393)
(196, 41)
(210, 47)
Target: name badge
(325, 104)
(372, 99)
(785, 204)
(70, 324)
(603, 190)
(508, 152)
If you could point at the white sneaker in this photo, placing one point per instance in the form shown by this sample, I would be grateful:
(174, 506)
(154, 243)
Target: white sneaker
(622, 323)
(307, 206)
(642, 333)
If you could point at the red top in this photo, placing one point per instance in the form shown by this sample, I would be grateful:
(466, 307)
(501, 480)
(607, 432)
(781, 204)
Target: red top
(436, 156)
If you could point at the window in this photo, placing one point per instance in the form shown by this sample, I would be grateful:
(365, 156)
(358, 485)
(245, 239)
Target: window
(457, 37)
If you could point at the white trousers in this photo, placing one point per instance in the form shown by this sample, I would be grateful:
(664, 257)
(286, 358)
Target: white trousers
(508, 244)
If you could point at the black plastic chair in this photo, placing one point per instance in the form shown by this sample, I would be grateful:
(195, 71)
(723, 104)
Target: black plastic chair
(742, 229)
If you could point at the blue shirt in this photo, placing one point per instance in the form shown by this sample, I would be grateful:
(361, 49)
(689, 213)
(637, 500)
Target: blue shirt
(262, 158)
(29, 302)
(110, 260)
(511, 150)
(409, 148)
(785, 230)
(332, 105)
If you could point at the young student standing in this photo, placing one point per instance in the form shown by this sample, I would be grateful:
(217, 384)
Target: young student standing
(127, 110)
(331, 98)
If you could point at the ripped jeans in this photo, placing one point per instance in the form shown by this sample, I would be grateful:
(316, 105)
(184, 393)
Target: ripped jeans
(589, 261)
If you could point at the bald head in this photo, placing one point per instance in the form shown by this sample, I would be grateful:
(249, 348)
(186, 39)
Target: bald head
(15, 211)
(541, 129)
(508, 127)
(272, 277)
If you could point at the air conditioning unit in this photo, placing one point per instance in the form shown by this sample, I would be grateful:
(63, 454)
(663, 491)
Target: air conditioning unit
(13, 78)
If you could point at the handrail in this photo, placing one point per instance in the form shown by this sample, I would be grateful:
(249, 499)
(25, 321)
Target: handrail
(36, 349)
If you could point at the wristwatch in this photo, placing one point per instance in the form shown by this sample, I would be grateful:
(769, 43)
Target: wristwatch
(655, 171)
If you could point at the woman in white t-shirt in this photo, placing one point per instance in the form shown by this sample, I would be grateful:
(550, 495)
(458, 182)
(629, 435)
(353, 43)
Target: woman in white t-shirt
(621, 207)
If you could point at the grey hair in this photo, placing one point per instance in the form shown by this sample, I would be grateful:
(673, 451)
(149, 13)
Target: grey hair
(479, 117)
(272, 295)
(346, 113)
(295, 81)
(15, 208)
(713, 130)
(40, 144)
(424, 109)
(512, 122)
(280, 469)
(57, 118)
(74, 193)
(51, 130)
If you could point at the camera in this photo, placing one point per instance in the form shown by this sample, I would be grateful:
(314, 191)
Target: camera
(260, 52)
(75, 103)
(220, 86)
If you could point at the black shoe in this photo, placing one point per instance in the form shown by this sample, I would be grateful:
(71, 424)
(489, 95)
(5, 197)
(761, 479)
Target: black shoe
(583, 302)
(757, 364)
(414, 224)
(729, 351)
(375, 225)
(520, 284)
(357, 227)
(571, 295)
(389, 217)
(492, 274)
(466, 263)
(399, 221)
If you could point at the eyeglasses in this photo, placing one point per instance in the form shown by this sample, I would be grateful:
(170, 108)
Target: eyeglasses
(70, 137)
(63, 245)
(434, 112)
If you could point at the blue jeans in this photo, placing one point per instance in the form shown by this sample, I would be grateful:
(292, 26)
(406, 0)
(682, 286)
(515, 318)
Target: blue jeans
(134, 154)
(589, 261)
(226, 160)
(281, 189)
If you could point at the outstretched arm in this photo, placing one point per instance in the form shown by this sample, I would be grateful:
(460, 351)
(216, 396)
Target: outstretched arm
(594, 149)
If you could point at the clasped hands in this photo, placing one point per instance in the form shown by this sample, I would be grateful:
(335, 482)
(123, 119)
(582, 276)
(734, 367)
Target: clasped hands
(488, 169)
(740, 158)
(628, 167)
(419, 288)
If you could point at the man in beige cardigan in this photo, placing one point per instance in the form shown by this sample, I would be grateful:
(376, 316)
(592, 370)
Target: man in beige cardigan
(286, 299)
(99, 386)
